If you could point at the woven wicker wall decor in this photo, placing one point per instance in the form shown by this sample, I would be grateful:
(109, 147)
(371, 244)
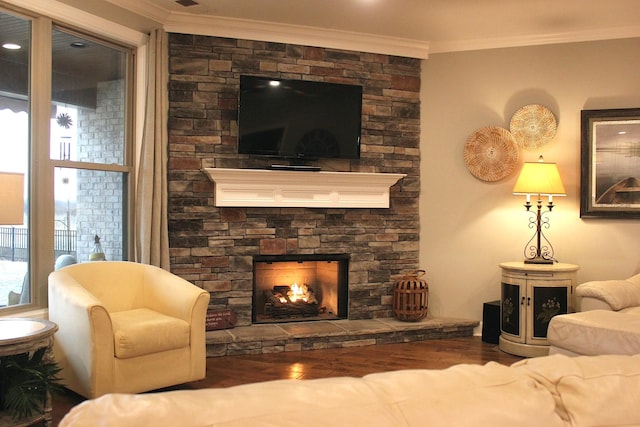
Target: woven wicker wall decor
(491, 153)
(533, 126)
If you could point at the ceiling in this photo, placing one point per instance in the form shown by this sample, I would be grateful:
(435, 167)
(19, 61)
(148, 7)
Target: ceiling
(418, 27)
(78, 64)
(446, 25)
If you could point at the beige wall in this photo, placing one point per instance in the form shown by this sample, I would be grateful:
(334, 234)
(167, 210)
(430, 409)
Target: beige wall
(469, 226)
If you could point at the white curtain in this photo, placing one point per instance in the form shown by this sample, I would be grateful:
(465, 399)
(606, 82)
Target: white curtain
(152, 234)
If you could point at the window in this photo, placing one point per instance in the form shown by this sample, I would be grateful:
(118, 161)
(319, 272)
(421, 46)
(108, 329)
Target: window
(65, 108)
(88, 144)
(15, 44)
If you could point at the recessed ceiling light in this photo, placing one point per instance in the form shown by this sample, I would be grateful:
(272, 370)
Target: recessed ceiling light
(78, 45)
(274, 83)
(622, 132)
(11, 46)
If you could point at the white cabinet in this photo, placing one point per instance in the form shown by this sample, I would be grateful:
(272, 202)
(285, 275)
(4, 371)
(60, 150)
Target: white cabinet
(531, 294)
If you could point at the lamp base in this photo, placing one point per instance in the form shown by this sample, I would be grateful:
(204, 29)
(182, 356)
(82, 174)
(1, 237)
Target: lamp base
(538, 260)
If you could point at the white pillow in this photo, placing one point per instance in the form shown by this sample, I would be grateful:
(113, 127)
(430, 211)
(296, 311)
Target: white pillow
(618, 294)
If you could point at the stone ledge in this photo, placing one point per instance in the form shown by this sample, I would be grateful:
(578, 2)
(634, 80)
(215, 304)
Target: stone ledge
(303, 336)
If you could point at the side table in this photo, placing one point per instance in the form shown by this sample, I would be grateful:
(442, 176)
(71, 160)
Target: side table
(24, 336)
(531, 294)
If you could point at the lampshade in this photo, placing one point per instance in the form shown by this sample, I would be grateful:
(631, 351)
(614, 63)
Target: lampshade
(539, 178)
(11, 198)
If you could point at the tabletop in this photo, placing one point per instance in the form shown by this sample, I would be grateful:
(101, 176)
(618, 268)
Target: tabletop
(17, 330)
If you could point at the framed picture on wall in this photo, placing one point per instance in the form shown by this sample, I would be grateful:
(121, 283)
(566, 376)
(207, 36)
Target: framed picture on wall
(610, 163)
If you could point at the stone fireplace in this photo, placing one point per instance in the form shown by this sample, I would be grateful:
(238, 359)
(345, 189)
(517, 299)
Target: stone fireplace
(215, 246)
(292, 288)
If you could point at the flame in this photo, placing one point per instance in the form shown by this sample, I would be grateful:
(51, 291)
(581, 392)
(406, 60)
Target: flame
(298, 293)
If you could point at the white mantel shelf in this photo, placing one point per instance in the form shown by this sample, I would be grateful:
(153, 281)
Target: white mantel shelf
(274, 188)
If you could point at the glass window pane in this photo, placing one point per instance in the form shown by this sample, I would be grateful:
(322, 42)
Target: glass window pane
(89, 203)
(15, 40)
(89, 102)
(88, 125)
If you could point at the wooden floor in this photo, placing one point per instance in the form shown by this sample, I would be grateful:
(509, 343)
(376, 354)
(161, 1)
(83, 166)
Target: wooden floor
(356, 361)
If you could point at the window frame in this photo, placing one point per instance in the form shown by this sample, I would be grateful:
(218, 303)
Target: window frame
(41, 166)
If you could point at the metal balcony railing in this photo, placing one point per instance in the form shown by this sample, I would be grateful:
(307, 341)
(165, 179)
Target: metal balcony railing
(14, 243)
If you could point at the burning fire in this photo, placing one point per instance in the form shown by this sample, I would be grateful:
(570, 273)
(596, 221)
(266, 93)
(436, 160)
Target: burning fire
(298, 293)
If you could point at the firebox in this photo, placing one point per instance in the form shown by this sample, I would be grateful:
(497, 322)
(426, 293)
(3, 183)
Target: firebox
(292, 288)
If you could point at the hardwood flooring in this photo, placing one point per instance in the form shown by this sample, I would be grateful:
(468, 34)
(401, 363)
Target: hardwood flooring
(355, 361)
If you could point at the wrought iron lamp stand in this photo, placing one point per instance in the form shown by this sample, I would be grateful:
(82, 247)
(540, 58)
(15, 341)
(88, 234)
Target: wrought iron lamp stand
(536, 252)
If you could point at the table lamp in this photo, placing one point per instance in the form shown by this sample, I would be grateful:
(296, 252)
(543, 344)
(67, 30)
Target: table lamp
(539, 179)
(12, 198)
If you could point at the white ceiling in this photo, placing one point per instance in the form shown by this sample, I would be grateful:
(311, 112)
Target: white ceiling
(442, 25)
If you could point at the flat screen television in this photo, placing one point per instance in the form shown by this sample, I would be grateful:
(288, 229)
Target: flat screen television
(299, 120)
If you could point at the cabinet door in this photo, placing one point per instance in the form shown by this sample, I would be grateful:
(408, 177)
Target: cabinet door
(545, 299)
(511, 310)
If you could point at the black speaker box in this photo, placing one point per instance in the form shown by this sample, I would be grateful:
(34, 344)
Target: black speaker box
(491, 322)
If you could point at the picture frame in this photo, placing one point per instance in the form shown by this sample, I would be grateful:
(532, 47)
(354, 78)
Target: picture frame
(610, 163)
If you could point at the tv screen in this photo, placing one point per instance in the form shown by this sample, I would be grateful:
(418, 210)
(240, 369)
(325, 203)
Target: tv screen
(297, 119)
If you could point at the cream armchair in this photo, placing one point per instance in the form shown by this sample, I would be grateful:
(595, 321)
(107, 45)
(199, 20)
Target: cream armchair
(126, 327)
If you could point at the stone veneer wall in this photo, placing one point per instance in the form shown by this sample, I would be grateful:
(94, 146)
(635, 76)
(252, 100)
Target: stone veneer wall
(213, 247)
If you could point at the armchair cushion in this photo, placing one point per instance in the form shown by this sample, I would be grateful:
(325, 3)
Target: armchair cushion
(595, 332)
(143, 331)
(618, 294)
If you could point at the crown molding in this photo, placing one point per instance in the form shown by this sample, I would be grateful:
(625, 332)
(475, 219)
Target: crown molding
(535, 40)
(192, 23)
(84, 20)
(208, 25)
(187, 23)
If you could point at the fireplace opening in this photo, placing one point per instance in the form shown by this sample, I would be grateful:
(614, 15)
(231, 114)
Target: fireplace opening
(293, 288)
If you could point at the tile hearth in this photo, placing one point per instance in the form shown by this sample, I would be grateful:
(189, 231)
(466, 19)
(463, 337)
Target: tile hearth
(302, 336)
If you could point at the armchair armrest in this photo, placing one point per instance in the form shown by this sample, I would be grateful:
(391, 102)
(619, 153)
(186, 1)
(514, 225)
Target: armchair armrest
(174, 296)
(618, 294)
(634, 279)
(83, 344)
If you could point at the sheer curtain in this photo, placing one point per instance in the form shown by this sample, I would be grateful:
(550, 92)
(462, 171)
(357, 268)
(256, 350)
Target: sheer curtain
(152, 235)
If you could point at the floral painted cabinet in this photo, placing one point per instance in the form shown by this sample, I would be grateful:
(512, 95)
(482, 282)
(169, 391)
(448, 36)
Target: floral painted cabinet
(531, 294)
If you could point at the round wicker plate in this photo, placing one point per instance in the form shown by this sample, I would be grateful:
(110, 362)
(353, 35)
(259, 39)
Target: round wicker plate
(533, 126)
(491, 153)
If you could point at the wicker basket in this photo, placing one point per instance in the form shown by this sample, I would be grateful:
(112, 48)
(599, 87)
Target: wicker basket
(410, 297)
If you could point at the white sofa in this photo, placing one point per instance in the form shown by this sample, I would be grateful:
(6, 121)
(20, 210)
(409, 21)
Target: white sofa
(608, 321)
(546, 391)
